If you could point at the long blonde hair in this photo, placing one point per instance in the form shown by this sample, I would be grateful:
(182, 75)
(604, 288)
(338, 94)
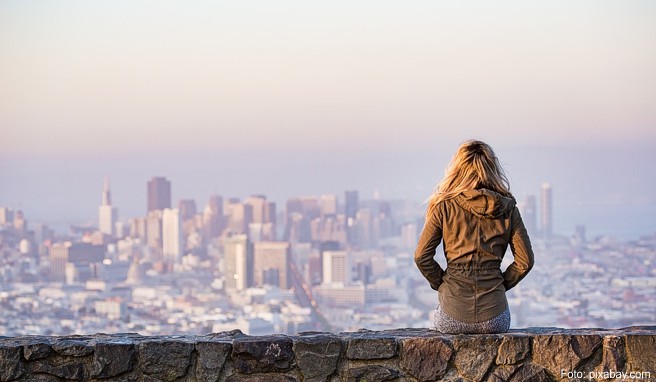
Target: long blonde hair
(473, 166)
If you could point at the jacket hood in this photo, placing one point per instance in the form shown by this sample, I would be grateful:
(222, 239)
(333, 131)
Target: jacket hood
(485, 203)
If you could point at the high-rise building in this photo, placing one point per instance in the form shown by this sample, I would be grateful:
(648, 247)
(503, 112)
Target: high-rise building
(159, 193)
(213, 220)
(107, 214)
(351, 207)
(171, 236)
(238, 260)
(336, 267)
(546, 211)
(154, 230)
(328, 205)
(529, 213)
(271, 264)
(76, 259)
(187, 209)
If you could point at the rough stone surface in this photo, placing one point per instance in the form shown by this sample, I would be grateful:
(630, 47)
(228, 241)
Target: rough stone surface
(212, 356)
(371, 347)
(11, 366)
(262, 354)
(558, 352)
(371, 373)
(530, 373)
(502, 373)
(62, 367)
(317, 356)
(641, 353)
(513, 349)
(37, 350)
(475, 355)
(614, 355)
(165, 359)
(427, 359)
(261, 378)
(401, 355)
(74, 347)
(112, 359)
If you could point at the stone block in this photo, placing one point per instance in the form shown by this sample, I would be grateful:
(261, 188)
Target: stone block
(641, 353)
(72, 368)
(427, 358)
(72, 347)
(262, 354)
(317, 356)
(371, 373)
(474, 355)
(261, 378)
(513, 349)
(212, 356)
(166, 360)
(11, 367)
(530, 373)
(371, 347)
(112, 359)
(37, 350)
(564, 352)
(614, 355)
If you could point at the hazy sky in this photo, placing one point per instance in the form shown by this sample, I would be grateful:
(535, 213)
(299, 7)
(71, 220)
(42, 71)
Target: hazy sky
(243, 96)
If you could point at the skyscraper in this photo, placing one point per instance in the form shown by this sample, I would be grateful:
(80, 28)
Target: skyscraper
(351, 207)
(171, 236)
(238, 255)
(530, 214)
(107, 214)
(546, 211)
(159, 193)
(271, 263)
(336, 267)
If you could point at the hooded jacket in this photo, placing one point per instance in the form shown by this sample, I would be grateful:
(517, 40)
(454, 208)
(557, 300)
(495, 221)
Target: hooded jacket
(476, 228)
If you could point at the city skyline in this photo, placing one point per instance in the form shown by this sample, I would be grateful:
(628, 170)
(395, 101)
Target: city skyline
(290, 98)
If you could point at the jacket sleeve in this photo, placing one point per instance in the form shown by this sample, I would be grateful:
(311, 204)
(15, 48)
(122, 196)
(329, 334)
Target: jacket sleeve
(520, 245)
(430, 238)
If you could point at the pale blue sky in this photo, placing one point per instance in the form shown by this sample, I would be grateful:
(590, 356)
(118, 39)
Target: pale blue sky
(236, 96)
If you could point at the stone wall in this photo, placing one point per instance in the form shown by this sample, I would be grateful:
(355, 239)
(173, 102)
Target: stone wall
(535, 354)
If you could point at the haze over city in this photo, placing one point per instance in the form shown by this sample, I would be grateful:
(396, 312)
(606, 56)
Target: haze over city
(294, 98)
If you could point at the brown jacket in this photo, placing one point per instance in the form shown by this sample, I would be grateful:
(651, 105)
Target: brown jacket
(476, 228)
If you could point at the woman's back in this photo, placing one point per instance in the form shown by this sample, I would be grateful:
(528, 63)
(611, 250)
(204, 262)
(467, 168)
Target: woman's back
(476, 225)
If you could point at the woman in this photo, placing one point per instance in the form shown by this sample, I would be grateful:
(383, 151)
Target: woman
(474, 214)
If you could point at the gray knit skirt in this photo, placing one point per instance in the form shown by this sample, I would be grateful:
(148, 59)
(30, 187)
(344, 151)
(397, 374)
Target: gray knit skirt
(447, 324)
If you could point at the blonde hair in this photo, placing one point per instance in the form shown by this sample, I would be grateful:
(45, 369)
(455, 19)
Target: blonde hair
(473, 166)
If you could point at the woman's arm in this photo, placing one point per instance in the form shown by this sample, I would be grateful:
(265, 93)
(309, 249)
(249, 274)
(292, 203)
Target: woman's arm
(520, 245)
(430, 238)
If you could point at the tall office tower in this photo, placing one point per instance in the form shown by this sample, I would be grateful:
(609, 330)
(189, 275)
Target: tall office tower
(171, 236)
(336, 267)
(154, 231)
(138, 228)
(529, 211)
(546, 211)
(238, 260)
(213, 220)
(159, 194)
(271, 264)
(107, 214)
(409, 235)
(258, 205)
(351, 207)
(240, 215)
(6, 216)
(328, 205)
(75, 261)
(187, 209)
